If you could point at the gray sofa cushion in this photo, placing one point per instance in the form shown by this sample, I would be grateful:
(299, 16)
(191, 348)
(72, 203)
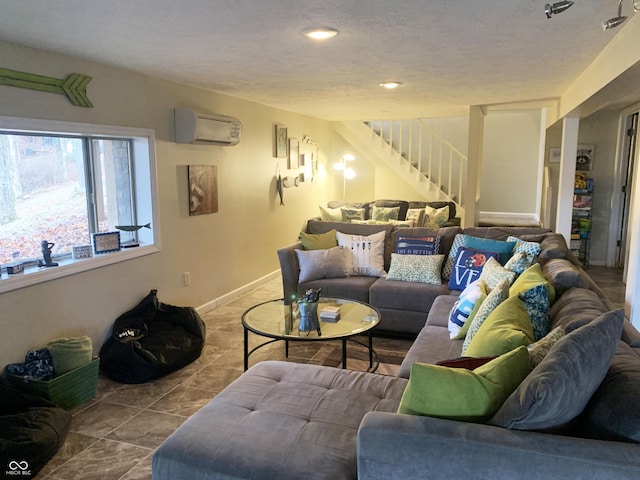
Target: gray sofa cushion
(563, 275)
(278, 420)
(530, 234)
(576, 307)
(558, 389)
(613, 413)
(414, 296)
(553, 246)
(433, 344)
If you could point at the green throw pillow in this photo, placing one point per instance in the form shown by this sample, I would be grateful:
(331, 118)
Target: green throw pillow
(318, 241)
(531, 277)
(506, 328)
(464, 395)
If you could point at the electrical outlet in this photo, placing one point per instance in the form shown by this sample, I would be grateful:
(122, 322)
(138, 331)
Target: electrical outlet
(186, 278)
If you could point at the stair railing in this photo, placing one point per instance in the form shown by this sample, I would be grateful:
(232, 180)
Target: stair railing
(418, 147)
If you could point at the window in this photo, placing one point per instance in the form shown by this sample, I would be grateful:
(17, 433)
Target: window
(61, 183)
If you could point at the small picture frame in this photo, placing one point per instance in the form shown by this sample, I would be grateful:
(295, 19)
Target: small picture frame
(81, 252)
(280, 142)
(554, 154)
(294, 154)
(106, 242)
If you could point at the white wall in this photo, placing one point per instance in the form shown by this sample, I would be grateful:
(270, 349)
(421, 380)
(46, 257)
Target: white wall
(511, 156)
(222, 251)
(510, 163)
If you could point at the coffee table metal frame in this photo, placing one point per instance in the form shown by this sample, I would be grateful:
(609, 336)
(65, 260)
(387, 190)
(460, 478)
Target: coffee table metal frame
(297, 336)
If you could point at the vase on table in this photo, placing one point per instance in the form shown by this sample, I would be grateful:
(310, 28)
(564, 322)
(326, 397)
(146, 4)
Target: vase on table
(308, 317)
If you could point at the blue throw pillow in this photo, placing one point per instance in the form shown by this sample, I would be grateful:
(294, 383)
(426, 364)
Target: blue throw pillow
(468, 266)
(419, 245)
(537, 305)
(504, 249)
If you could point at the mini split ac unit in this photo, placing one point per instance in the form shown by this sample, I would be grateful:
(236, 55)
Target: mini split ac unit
(194, 127)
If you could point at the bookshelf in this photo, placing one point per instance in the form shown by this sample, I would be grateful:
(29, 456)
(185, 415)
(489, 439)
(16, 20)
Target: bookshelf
(581, 217)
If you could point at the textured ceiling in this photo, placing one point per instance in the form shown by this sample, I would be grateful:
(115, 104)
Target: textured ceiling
(448, 54)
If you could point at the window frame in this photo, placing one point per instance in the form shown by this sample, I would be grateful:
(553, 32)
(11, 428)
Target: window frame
(145, 194)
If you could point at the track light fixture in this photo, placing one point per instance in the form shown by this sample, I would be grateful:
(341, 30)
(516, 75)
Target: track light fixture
(615, 21)
(558, 7)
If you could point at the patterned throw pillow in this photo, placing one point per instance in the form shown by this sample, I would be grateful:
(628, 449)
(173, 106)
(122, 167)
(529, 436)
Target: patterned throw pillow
(402, 223)
(492, 273)
(537, 305)
(419, 245)
(437, 216)
(417, 215)
(495, 298)
(351, 213)
(458, 240)
(466, 308)
(532, 249)
(468, 266)
(538, 350)
(416, 268)
(330, 214)
(384, 214)
(367, 253)
(519, 262)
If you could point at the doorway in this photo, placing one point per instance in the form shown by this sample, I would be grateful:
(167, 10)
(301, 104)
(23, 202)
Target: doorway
(629, 133)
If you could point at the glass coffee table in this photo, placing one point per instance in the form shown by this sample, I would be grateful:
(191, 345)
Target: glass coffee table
(278, 321)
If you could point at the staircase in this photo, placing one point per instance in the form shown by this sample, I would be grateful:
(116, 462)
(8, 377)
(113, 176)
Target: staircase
(421, 157)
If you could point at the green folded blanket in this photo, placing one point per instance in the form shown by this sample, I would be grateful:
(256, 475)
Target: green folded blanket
(70, 353)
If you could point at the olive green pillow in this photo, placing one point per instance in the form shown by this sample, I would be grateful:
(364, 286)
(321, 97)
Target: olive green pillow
(506, 328)
(465, 395)
(532, 277)
(318, 241)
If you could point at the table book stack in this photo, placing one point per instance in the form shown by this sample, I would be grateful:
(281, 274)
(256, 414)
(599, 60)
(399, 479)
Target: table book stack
(330, 313)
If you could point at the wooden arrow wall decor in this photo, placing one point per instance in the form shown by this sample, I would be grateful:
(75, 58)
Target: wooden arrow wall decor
(74, 86)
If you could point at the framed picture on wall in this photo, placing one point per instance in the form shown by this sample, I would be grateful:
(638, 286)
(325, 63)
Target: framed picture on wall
(554, 154)
(294, 154)
(280, 142)
(203, 189)
(584, 157)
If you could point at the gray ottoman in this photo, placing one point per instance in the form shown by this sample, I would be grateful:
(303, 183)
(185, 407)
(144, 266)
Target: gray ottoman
(278, 420)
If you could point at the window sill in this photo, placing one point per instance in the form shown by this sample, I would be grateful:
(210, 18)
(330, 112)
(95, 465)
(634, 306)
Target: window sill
(35, 275)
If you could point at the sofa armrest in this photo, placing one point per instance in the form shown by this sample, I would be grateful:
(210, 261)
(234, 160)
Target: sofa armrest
(407, 446)
(290, 270)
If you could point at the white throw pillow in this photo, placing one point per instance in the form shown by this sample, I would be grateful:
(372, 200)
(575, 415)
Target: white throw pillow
(367, 253)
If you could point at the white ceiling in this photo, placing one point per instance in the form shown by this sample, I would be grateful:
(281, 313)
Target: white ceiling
(448, 54)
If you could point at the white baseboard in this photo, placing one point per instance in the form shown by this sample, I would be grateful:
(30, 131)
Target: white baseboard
(234, 294)
(508, 218)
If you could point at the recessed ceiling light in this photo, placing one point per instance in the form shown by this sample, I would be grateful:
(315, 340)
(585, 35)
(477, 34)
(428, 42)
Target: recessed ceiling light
(390, 85)
(322, 33)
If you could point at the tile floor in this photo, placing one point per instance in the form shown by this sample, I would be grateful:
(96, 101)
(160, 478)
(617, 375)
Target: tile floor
(113, 436)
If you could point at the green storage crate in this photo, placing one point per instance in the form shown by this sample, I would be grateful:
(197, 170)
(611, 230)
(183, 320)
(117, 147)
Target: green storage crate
(67, 390)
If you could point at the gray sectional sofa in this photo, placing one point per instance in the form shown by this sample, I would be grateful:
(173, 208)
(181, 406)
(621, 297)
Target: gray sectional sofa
(404, 305)
(293, 421)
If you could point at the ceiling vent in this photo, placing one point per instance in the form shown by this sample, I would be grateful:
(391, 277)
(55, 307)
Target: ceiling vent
(205, 129)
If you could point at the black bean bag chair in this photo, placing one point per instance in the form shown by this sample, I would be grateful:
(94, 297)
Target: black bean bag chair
(32, 430)
(152, 340)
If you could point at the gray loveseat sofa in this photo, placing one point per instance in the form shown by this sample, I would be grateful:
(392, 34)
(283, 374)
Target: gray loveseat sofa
(294, 421)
